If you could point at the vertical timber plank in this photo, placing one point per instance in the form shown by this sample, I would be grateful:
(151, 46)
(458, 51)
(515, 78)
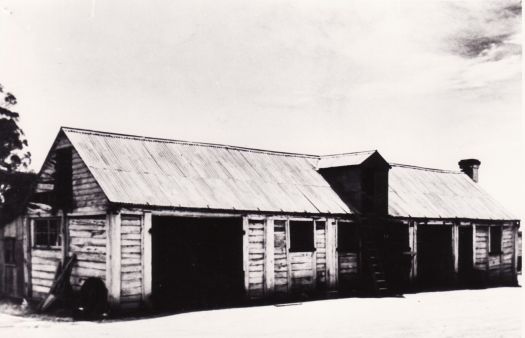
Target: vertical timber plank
(113, 261)
(269, 256)
(288, 256)
(412, 230)
(246, 254)
(147, 268)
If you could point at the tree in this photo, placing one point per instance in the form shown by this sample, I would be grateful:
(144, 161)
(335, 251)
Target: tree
(14, 155)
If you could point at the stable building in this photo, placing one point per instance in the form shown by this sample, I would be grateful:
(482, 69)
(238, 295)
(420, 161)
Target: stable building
(165, 222)
(427, 228)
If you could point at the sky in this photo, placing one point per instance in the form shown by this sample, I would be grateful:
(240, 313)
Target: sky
(424, 82)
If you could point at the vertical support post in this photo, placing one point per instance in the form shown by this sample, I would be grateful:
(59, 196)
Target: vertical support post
(314, 257)
(455, 248)
(331, 257)
(412, 233)
(147, 267)
(269, 256)
(113, 258)
(65, 236)
(246, 254)
(27, 240)
(515, 227)
(288, 255)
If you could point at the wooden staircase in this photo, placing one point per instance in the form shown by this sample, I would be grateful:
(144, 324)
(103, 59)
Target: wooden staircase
(374, 262)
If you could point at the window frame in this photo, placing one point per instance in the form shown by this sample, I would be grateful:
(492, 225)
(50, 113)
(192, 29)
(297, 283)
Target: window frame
(495, 247)
(302, 247)
(59, 239)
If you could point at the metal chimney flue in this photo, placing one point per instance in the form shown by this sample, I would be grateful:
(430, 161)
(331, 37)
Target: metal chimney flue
(470, 167)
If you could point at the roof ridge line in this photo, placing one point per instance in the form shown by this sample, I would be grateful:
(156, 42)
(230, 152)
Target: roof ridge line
(194, 143)
(424, 168)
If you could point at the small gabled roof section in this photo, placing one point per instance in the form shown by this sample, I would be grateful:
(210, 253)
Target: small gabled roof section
(432, 193)
(144, 171)
(369, 157)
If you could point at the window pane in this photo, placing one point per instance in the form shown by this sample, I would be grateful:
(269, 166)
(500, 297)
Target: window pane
(41, 232)
(47, 232)
(302, 236)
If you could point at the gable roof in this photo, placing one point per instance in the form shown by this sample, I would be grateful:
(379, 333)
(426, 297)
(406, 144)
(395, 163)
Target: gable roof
(168, 173)
(432, 193)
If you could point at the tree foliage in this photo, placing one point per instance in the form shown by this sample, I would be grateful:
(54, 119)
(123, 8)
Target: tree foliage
(14, 155)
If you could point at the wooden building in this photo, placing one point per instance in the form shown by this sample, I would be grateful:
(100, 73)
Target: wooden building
(166, 222)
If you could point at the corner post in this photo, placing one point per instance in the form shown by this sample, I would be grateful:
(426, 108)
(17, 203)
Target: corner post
(147, 267)
(113, 257)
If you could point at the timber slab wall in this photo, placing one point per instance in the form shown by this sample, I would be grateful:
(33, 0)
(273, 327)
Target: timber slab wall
(273, 270)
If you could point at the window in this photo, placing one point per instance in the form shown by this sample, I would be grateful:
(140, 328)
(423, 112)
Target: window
(46, 233)
(9, 250)
(347, 237)
(302, 236)
(495, 240)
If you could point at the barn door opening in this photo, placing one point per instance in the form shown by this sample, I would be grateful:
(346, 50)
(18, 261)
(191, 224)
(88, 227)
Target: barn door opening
(197, 262)
(465, 255)
(435, 263)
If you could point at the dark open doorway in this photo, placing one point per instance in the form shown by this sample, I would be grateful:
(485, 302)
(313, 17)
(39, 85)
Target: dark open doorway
(465, 256)
(435, 263)
(197, 262)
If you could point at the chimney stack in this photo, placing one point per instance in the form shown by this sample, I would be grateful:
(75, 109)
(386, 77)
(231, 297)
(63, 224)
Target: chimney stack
(470, 167)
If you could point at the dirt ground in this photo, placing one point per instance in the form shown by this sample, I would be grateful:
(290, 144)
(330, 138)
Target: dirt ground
(490, 313)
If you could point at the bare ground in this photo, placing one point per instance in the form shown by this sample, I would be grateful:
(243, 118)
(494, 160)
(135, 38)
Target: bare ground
(487, 313)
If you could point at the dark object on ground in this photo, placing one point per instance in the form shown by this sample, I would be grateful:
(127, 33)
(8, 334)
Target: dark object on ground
(93, 302)
(61, 288)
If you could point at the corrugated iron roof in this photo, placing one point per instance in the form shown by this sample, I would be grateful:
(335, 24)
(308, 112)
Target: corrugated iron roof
(433, 193)
(168, 173)
(342, 160)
